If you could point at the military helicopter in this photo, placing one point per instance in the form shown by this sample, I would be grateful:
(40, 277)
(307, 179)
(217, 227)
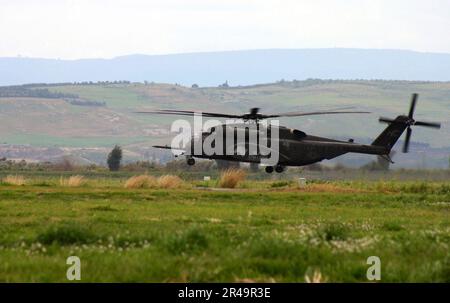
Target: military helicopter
(295, 147)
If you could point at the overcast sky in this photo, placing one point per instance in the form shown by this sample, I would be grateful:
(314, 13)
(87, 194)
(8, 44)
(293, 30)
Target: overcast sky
(108, 28)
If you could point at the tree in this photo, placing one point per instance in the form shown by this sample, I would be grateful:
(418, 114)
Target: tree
(114, 158)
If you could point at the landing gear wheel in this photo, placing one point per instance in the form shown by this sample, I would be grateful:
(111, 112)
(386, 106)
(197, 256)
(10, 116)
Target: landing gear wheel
(279, 169)
(269, 169)
(191, 161)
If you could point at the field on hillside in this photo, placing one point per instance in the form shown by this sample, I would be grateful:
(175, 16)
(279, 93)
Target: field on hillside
(100, 115)
(269, 230)
(57, 122)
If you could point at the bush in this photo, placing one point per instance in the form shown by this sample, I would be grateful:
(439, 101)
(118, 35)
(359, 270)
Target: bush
(142, 181)
(65, 235)
(231, 178)
(334, 231)
(169, 181)
(392, 226)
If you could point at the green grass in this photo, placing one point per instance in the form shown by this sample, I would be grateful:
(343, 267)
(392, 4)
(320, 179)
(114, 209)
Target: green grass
(271, 231)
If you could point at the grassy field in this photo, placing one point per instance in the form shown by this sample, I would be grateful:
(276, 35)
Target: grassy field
(270, 231)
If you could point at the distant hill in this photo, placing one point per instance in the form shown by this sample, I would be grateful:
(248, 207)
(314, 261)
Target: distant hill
(238, 67)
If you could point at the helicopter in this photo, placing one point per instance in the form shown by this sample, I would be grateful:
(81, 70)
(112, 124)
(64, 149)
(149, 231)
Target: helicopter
(294, 147)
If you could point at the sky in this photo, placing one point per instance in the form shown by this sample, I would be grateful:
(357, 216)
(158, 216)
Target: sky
(72, 29)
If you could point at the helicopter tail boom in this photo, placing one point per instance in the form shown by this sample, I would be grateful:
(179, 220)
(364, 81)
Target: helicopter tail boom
(391, 134)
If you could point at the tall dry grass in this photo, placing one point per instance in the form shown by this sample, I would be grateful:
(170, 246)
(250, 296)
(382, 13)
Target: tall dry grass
(142, 181)
(14, 180)
(146, 181)
(170, 181)
(72, 181)
(231, 178)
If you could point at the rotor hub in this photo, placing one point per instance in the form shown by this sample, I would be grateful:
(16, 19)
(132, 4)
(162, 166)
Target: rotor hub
(411, 121)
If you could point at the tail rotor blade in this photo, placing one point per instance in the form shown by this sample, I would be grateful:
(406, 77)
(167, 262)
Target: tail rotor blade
(413, 105)
(408, 137)
(428, 124)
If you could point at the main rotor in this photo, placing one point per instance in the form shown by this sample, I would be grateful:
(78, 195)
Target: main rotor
(254, 115)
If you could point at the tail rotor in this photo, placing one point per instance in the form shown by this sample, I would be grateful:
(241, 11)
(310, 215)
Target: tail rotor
(409, 121)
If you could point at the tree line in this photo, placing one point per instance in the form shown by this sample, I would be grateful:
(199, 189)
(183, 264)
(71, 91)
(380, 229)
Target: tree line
(22, 91)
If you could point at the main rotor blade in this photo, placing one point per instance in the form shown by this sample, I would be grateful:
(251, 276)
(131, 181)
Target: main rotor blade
(204, 114)
(413, 105)
(299, 114)
(428, 124)
(189, 113)
(408, 137)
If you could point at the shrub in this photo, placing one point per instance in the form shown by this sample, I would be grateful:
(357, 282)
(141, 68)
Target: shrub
(231, 178)
(142, 181)
(392, 226)
(72, 181)
(334, 231)
(14, 180)
(66, 234)
(169, 181)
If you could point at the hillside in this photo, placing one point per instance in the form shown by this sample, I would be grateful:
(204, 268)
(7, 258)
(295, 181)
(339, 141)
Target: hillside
(238, 67)
(94, 117)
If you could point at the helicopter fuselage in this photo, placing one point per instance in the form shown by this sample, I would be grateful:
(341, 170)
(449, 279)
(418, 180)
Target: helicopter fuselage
(294, 147)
